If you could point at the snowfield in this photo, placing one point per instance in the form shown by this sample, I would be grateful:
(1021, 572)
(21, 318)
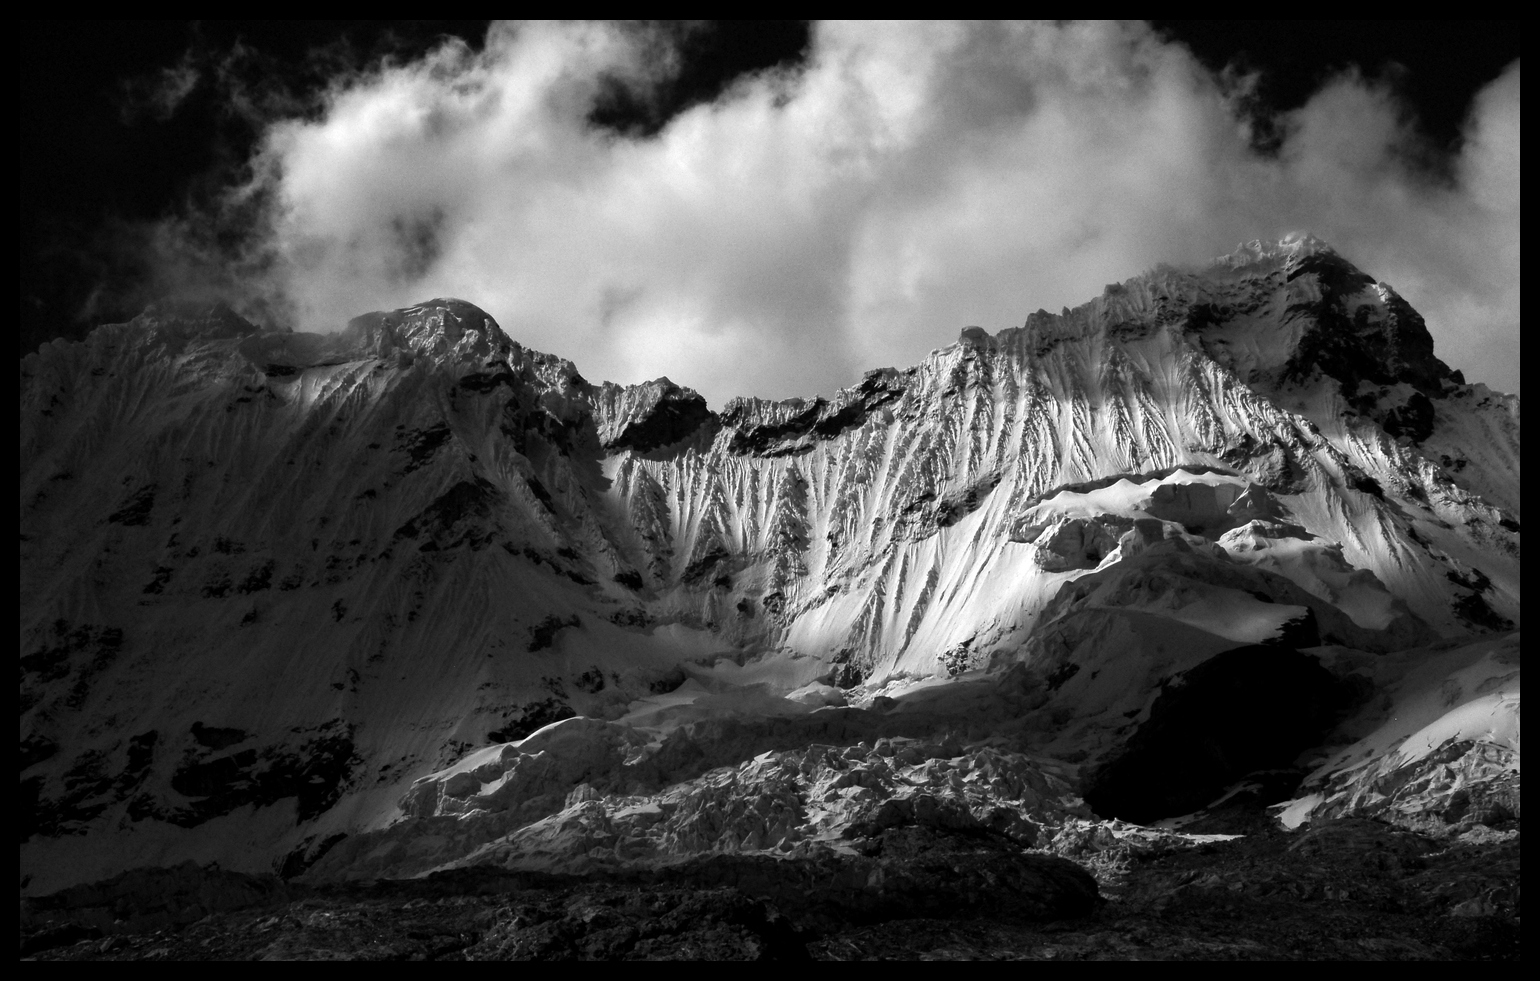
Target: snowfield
(411, 596)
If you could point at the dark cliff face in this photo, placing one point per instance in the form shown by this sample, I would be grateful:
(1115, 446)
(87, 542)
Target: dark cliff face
(818, 419)
(674, 414)
(1359, 335)
(1365, 347)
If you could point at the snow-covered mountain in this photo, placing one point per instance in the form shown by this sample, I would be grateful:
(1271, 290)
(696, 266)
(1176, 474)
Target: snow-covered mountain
(284, 590)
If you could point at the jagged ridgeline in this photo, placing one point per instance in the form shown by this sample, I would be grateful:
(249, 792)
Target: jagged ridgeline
(272, 579)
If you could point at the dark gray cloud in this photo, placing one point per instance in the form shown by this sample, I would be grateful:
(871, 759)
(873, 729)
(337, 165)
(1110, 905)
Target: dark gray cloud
(160, 94)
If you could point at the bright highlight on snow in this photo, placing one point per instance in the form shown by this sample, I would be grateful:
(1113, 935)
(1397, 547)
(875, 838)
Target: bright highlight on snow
(415, 596)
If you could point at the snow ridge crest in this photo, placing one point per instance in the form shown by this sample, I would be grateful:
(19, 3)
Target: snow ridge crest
(444, 328)
(1294, 246)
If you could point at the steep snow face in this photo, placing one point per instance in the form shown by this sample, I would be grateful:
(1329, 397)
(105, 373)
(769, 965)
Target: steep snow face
(911, 505)
(271, 579)
(1439, 747)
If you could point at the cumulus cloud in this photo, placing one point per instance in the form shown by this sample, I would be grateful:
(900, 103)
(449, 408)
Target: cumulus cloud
(855, 212)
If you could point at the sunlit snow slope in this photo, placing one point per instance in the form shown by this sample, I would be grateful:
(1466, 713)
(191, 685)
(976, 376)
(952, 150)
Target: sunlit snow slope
(269, 579)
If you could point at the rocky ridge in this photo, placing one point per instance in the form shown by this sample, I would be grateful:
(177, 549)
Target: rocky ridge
(413, 597)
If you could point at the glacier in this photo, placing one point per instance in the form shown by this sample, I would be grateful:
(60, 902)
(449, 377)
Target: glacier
(412, 596)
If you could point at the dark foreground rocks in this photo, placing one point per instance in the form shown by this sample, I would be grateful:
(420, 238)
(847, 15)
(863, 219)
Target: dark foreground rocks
(1350, 889)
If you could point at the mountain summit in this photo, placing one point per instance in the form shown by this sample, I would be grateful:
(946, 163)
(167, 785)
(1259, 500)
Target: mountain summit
(412, 595)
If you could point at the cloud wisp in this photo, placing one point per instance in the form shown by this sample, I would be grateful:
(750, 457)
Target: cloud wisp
(856, 211)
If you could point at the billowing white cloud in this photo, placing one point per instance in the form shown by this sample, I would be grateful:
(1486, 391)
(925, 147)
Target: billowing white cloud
(909, 180)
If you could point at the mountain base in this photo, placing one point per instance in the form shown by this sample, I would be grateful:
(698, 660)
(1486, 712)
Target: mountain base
(1342, 890)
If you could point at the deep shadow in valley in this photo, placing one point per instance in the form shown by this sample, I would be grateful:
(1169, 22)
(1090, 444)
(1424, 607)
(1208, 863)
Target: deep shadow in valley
(1350, 889)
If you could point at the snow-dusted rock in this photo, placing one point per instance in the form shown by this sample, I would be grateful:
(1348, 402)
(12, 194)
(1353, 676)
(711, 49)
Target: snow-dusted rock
(1442, 748)
(274, 580)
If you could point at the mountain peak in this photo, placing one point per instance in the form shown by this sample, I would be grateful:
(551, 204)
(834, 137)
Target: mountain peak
(445, 330)
(445, 327)
(290, 591)
(190, 319)
(1292, 247)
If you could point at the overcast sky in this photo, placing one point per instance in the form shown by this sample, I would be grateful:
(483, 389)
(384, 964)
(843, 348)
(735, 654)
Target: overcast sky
(851, 211)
